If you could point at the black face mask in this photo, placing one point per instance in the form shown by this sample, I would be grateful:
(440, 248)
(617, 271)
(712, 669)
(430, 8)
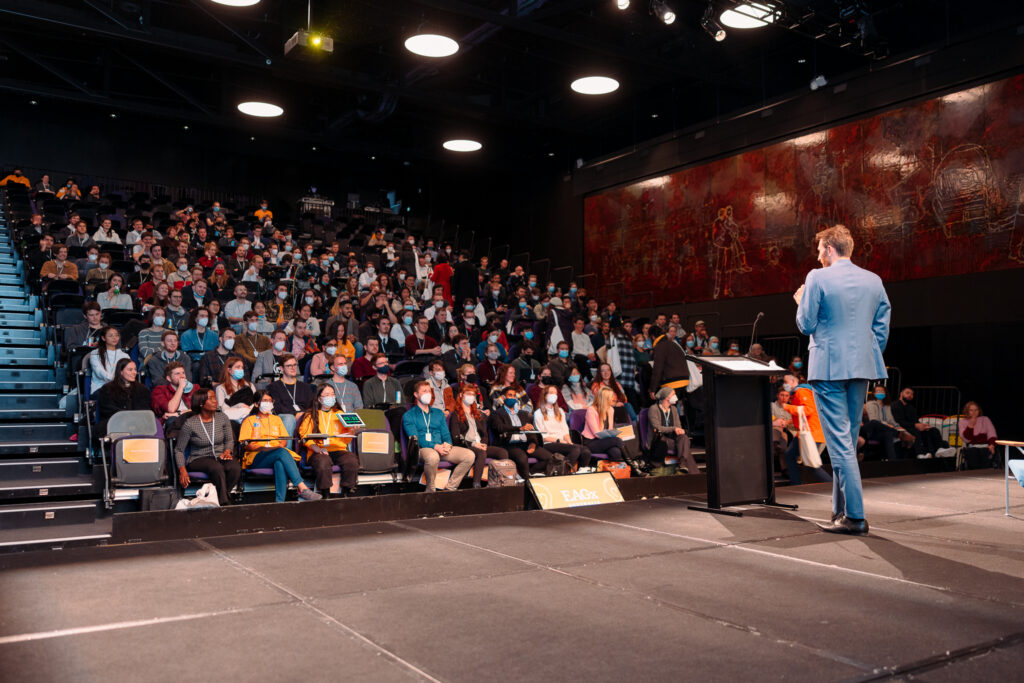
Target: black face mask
(547, 381)
(471, 378)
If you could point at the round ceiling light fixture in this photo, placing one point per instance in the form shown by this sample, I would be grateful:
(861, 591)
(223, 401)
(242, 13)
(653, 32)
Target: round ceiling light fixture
(749, 15)
(431, 45)
(237, 3)
(595, 85)
(462, 145)
(260, 109)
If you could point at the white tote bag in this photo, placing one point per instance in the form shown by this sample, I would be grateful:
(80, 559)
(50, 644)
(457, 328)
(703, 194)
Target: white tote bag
(808, 448)
(613, 357)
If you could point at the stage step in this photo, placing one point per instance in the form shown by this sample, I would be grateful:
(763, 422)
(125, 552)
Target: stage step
(50, 487)
(49, 514)
(56, 537)
(34, 469)
(53, 431)
(40, 447)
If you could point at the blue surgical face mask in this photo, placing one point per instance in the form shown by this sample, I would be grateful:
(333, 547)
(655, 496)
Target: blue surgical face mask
(528, 334)
(714, 346)
(511, 403)
(189, 387)
(383, 370)
(238, 373)
(469, 307)
(545, 304)
(328, 401)
(523, 305)
(690, 343)
(341, 370)
(880, 395)
(798, 364)
(563, 353)
(574, 379)
(407, 320)
(216, 209)
(551, 289)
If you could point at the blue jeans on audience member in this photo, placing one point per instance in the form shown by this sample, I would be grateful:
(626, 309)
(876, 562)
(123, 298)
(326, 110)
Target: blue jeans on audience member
(285, 469)
(793, 469)
(289, 422)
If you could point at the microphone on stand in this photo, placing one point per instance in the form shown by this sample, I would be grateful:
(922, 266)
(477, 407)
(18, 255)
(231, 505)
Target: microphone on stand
(754, 331)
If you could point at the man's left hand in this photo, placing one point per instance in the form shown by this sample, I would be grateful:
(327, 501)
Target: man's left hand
(798, 295)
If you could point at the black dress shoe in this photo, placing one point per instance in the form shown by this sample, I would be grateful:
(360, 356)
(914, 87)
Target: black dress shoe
(837, 516)
(847, 526)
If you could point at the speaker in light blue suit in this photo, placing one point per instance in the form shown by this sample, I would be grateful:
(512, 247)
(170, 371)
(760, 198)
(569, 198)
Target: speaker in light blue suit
(846, 312)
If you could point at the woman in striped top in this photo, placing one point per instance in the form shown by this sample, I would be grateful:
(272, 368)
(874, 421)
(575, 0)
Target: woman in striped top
(208, 437)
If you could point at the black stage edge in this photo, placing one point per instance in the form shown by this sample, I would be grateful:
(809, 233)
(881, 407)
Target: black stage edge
(168, 525)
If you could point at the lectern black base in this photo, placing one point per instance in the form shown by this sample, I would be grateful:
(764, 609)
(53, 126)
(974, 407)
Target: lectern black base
(737, 513)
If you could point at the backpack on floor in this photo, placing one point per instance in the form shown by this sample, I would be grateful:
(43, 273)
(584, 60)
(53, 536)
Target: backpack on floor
(501, 473)
(557, 466)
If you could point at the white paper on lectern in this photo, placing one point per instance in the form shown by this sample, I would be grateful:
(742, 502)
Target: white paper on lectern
(737, 364)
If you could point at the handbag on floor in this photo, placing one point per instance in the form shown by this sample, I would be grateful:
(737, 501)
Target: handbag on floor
(808, 448)
(501, 473)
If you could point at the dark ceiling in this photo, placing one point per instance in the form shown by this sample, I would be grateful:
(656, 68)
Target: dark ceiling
(188, 62)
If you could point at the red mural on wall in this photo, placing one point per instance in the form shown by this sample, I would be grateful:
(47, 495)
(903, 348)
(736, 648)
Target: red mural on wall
(932, 189)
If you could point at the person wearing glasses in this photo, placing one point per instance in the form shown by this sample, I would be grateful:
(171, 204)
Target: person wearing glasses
(290, 394)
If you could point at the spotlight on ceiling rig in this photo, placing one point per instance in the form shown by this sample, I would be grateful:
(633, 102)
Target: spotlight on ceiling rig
(662, 11)
(711, 25)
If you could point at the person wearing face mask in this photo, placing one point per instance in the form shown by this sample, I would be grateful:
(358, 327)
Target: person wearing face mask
(150, 339)
(172, 398)
(527, 366)
(505, 378)
(493, 334)
(279, 310)
(169, 352)
(468, 427)
(212, 362)
(460, 354)
(346, 393)
(553, 423)
(508, 423)
(268, 363)
(714, 347)
(880, 425)
(251, 343)
(234, 394)
(263, 213)
(734, 349)
(368, 276)
(487, 370)
(802, 396)
(560, 363)
(430, 429)
(98, 270)
(796, 366)
(576, 393)
(199, 338)
(444, 397)
(264, 441)
(665, 428)
(382, 389)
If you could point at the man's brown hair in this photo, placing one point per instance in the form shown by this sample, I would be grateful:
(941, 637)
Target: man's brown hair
(837, 237)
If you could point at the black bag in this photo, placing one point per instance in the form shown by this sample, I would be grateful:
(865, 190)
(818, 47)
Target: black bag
(556, 467)
(977, 458)
(158, 498)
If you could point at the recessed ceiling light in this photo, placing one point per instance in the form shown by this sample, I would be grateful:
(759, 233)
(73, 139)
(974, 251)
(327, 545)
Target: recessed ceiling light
(622, 4)
(113, 116)
(237, 3)
(184, 127)
(33, 102)
(595, 85)
(654, 116)
(252, 139)
(749, 15)
(801, 61)
(261, 109)
(551, 154)
(314, 148)
(431, 45)
(462, 145)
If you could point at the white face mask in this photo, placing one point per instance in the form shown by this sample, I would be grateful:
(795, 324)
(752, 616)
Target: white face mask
(673, 399)
(202, 322)
(229, 343)
(438, 376)
(282, 295)
(425, 399)
(266, 407)
(469, 399)
(551, 399)
(328, 401)
(279, 345)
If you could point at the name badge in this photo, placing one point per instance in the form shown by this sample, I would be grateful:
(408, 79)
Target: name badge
(428, 437)
(295, 406)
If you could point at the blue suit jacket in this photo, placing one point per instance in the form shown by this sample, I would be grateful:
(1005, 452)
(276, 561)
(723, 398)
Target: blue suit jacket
(846, 312)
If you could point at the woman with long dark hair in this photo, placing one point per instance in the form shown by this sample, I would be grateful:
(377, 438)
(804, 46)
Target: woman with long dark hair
(468, 427)
(123, 392)
(103, 360)
(322, 417)
(260, 453)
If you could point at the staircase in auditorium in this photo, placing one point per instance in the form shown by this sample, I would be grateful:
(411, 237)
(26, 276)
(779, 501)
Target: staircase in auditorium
(50, 495)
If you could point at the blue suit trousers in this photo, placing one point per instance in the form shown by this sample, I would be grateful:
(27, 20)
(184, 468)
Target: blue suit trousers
(840, 404)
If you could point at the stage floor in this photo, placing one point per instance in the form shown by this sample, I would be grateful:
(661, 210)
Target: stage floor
(646, 590)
